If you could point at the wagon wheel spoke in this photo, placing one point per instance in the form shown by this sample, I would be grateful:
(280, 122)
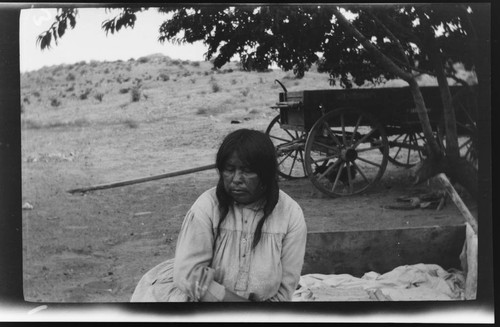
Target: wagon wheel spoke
(355, 145)
(324, 159)
(400, 148)
(376, 147)
(369, 162)
(333, 136)
(337, 177)
(349, 177)
(406, 148)
(290, 147)
(356, 128)
(409, 150)
(353, 157)
(343, 129)
(329, 170)
(360, 172)
(289, 155)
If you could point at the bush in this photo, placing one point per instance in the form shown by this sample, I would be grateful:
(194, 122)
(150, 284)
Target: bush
(99, 96)
(245, 92)
(164, 77)
(85, 94)
(124, 90)
(195, 63)
(136, 93)
(54, 102)
(131, 123)
(70, 77)
(215, 87)
(143, 60)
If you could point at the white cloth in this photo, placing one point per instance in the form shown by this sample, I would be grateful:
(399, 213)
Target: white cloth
(420, 282)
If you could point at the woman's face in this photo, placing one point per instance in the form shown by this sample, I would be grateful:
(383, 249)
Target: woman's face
(242, 184)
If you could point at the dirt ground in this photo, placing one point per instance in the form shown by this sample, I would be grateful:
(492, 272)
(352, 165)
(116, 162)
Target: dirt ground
(95, 247)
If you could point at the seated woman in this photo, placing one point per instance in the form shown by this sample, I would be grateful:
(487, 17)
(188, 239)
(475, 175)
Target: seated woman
(243, 240)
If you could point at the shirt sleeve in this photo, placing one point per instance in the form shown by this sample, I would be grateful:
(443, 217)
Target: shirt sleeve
(292, 256)
(194, 248)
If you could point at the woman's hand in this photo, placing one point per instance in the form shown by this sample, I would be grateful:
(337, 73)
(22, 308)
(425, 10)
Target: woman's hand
(201, 282)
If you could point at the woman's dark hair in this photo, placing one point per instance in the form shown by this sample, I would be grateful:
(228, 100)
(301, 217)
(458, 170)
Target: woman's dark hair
(256, 150)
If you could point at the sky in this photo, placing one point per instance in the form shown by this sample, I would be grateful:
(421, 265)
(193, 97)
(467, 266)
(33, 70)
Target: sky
(88, 41)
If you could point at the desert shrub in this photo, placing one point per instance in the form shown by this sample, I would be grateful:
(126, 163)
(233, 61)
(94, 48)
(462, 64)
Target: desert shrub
(234, 81)
(22, 108)
(175, 62)
(143, 60)
(54, 102)
(70, 77)
(186, 74)
(70, 89)
(206, 73)
(245, 91)
(94, 63)
(195, 63)
(36, 94)
(106, 71)
(192, 80)
(136, 93)
(26, 100)
(131, 123)
(201, 111)
(215, 87)
(164, 77)
(186, 62)
(98, 96)
(84, 95)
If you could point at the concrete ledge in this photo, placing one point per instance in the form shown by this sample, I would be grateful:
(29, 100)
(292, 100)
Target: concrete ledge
(358, 252)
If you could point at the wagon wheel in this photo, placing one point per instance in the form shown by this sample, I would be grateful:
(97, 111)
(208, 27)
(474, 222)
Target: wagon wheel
(342, 153)
(465, 105)
(406, 149)
(289, 149)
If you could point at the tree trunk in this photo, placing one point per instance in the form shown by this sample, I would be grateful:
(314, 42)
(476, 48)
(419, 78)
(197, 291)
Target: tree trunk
(436, 162)
(450, 122)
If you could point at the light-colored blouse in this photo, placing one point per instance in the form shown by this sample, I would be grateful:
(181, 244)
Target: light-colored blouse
(271, 271)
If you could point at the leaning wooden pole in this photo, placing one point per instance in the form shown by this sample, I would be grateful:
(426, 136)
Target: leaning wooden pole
(140, 180)
(458, 201)
(469, 251)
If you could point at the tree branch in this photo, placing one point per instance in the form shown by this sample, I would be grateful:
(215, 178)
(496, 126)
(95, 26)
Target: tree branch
(377, 54)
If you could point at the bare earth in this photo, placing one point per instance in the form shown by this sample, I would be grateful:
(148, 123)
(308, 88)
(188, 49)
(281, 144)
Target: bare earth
(95, 247)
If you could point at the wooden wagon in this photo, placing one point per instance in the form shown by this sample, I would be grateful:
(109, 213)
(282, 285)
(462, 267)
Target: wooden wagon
(342, 139)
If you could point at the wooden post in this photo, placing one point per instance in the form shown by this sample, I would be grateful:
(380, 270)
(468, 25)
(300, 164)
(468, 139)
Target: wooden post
(140, 180)
(469, 251)
(458, 201)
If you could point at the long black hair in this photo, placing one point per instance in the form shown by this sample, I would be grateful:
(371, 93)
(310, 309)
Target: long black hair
(256, 150)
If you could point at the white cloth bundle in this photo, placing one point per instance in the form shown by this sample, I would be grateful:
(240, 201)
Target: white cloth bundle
(419, 282)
